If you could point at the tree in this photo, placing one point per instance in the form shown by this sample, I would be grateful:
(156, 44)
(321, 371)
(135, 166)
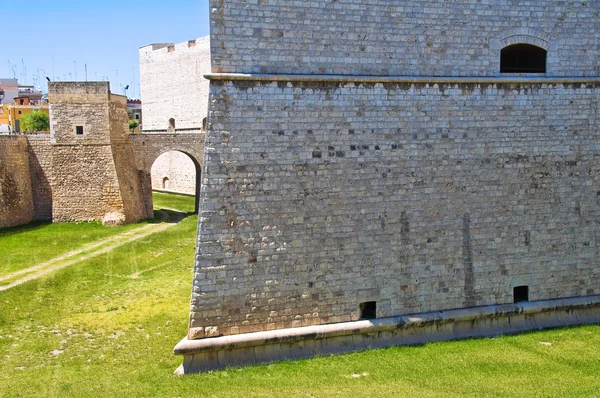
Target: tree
(133, 125)
(35, 121)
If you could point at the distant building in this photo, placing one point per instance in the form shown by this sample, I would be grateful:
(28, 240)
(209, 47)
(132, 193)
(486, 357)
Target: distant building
(134, 109)
(9, 89)
(25, 101)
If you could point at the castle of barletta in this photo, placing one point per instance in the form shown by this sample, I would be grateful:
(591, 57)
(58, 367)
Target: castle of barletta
(387, 172)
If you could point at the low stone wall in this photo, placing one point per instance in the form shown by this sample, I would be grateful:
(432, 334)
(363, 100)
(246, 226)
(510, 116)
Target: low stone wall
(16, 203)
(304, 342)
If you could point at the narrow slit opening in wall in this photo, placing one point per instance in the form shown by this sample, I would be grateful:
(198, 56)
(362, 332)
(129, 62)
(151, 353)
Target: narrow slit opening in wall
(368, 310)
(521, 294)
(79, 130)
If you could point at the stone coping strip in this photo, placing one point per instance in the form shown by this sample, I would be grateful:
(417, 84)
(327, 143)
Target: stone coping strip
(299, 334)
(404, 79)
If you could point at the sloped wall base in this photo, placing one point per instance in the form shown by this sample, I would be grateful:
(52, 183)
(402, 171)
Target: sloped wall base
(296, 343)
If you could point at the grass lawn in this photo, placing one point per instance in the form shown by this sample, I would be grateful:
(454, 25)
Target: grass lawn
(107, 327)
(30, 244)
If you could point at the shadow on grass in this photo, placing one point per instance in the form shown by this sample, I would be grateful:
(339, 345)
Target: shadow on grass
(169, 216)
(24, 228)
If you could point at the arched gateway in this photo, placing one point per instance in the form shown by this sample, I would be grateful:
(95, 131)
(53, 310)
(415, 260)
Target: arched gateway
(148, 147)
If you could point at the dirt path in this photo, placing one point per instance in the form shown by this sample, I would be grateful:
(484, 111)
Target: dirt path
(90, 250)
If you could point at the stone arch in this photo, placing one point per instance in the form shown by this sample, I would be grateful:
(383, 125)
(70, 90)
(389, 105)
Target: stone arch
(197, 168)
(148, 147)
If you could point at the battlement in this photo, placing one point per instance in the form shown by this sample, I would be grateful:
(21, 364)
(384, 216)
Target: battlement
(171, 47)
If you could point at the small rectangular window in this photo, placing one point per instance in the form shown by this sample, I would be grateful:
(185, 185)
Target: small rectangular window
(521, 293)
(137, 116)
(79, 130)
(20, 112)
(368, 310)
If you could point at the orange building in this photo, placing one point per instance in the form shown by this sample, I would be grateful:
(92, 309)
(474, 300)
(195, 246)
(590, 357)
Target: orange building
(10, 114)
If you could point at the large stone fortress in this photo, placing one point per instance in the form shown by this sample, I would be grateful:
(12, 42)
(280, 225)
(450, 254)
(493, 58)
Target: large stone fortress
(375, 160)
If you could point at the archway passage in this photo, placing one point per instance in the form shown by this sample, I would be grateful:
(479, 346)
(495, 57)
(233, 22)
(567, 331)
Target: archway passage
(523, 58)
(177, 173)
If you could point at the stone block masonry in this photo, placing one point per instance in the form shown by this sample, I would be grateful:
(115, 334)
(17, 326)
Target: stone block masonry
(419, 197)
(40, 166)
(16, 202)
(391, 38)
(173, 86)
(93, 169)
(371, 160)
(174, 172)
(89, 166)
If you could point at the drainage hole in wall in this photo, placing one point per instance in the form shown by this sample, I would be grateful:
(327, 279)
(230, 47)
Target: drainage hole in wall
(368, 310)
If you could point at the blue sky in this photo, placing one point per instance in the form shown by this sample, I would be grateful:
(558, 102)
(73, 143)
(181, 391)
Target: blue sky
(58, 38)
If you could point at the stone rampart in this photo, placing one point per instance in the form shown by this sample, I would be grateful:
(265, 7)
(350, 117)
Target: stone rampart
(376, 160)
(129, 177)
(321, 196)
(16, 203)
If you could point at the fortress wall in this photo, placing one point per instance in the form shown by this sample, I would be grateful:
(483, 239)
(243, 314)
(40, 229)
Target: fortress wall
(173, 86)
(40, 165)
(16, 203)
(410, 38)
(180, 171)
(320, 196)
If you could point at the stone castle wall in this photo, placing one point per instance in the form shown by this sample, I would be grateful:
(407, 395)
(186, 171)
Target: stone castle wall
(173, 86)
(418, 197)
(86, 168)
(361, 153)
(16, 203)
(433, 38)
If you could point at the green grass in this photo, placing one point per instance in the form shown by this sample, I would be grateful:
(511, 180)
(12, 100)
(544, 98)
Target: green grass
(180, 202)
(107, 327)
(30, 244)
(25, 246)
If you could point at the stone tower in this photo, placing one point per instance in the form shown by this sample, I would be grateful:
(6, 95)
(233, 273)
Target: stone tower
(93, 169)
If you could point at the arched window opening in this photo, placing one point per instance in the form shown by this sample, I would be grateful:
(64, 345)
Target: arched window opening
(165, 183)
(522, 58)
(171, 124)
(204, 124)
